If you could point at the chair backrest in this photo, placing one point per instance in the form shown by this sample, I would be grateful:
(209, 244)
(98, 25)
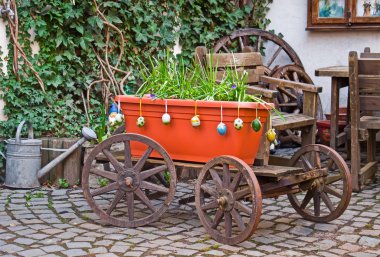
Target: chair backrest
(250, 62)
(364, 83)
(367, 54)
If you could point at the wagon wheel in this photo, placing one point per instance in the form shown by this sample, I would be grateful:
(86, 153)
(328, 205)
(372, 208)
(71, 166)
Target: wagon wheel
(125, 201)
(222, 187)
(119, 130)
(272, 47)
(324, 199)
(291, 100)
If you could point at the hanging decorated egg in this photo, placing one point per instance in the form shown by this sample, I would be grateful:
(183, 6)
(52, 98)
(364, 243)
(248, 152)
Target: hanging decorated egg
(195, 121)
(222, 129)
(238, 123)
(119, 117)
(140, 121)
(271, 135)
(166, 118)
(256, 125)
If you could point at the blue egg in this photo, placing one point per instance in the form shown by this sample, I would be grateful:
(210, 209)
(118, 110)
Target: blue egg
(222, 129)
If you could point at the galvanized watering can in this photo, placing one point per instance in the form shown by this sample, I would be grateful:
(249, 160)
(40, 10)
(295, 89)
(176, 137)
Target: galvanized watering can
(23, 158)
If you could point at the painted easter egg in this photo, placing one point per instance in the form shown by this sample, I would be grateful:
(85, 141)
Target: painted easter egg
(256, 125)
(140, 121)
(238, 123)
(119, 117)
(195, 121)
(166, 118)
(222, 129)
(271, 135)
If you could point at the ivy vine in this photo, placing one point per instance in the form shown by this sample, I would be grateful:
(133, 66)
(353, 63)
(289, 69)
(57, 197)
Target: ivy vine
(80, 44)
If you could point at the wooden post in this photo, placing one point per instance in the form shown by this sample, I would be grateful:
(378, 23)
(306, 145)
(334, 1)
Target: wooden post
(44, 157)
(309, 109)
(334, 111)
(355, 119)
(72, 165)
(57, 172)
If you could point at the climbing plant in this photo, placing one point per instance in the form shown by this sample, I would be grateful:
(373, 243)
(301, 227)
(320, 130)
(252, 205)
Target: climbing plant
(89, 51)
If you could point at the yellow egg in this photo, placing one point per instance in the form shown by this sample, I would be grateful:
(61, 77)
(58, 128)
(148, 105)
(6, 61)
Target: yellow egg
(271, 135)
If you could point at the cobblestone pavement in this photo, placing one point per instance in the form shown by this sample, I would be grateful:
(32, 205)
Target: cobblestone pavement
(60, 223)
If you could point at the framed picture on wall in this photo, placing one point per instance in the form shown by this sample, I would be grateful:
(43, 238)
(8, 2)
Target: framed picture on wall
(343, 14)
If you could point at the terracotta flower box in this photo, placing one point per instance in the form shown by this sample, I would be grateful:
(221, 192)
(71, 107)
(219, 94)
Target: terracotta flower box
(196, 144)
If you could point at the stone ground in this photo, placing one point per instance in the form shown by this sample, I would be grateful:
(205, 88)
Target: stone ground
(60, 223)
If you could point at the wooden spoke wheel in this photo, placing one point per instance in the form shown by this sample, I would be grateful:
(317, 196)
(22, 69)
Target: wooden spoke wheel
(325, 198)
(290, 100)
(223, 187)
(119, 130)
(126, 200)
(274, 49)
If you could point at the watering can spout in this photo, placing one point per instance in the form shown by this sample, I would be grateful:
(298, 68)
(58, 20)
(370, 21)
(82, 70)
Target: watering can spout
(88, 135)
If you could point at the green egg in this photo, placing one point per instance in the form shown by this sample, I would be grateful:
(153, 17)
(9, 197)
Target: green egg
(256, 125)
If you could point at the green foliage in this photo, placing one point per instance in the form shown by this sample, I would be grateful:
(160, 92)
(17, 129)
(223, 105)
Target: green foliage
(62, 183)
(102, 182)
(71, 33)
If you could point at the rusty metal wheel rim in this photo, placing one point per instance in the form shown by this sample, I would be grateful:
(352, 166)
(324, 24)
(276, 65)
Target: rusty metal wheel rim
(226, 200)
(323, 190)
(129, 180)
(242, 37)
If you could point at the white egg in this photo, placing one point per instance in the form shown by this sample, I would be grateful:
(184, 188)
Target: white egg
(238, 123)
(166, 118)
(140, 121)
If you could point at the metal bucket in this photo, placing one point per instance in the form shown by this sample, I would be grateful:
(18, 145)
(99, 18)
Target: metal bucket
(23, 160)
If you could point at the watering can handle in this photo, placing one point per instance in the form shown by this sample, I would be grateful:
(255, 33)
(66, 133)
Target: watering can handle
(19, 128)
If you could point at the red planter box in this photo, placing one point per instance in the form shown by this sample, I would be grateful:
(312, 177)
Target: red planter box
(324, 130)
(197, 144)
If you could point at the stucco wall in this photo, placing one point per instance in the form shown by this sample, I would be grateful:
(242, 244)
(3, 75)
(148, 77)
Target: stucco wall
(318, 49)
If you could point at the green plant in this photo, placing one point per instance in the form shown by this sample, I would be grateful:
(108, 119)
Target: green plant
(167, 176)
(62, 183)
(102, 182)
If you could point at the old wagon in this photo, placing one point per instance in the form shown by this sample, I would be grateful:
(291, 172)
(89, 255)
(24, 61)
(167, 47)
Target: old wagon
(141, 166)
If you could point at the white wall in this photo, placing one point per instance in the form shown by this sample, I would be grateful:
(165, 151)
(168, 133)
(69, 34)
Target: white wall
(318, 49)
(3, 47)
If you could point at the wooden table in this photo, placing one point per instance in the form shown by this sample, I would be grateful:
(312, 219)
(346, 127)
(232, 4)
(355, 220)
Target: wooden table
(339, 78)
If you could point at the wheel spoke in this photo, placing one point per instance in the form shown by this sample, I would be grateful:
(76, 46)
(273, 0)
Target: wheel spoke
(295, 77)
(127, 154)
(216, 178)
(105, 174)
(317, 160)
(106, 189)
(145, 199)
(115, 163)
(327, 201)
(119, 194)
(217, 219)
(228, 223)
(306, 163)
(274, 56)
(307, 199)
(151, 186)
(209, 190)
(140, 164)
(317, 204)
(330, 164)
(236, 182)
(333, 191)
(243, 208)
(226, 175)
(241, 44)
(225, 49)
(241, 193)
(211, 205)
(238, 219)
(130, 204)
(147, 173)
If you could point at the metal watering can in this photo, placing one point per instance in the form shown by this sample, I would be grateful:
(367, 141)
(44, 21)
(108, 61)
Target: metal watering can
(23, 158)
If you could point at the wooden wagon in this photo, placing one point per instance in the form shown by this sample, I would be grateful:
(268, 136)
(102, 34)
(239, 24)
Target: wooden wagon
(229, 189)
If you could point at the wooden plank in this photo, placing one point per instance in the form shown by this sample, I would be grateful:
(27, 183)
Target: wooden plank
(57, 172)
(333, 71)
(334, 121)
(267, 93)
(291, 84)
(369, 103)
(279, 160)
(292, 121)
(72, 164)
(234, 59)
(341, 139)
(367, 173)
(369, 66)
(370, 55)
(369, 84)
(44, 158)
(253, 75)
(370, 122)
(371, 145)
(200, 55)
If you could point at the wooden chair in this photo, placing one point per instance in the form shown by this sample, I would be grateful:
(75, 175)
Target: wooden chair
(252, 63)
(364, 102)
